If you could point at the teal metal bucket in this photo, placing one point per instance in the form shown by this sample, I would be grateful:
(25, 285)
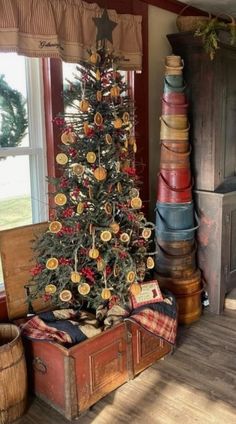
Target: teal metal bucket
(174, 216)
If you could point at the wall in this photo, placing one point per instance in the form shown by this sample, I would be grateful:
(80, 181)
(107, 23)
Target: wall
(161, 22)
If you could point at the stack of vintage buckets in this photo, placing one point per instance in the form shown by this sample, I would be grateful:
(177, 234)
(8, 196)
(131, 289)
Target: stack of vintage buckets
(175, 216)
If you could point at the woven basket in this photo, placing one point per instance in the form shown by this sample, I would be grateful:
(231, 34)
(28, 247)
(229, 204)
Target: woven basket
(189, 23)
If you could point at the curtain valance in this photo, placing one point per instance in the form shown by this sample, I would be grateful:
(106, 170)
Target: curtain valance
(65, 29)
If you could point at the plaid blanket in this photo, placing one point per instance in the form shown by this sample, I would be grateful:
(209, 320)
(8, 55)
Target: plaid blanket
(69, 327)
(156, 323)
(64, 326)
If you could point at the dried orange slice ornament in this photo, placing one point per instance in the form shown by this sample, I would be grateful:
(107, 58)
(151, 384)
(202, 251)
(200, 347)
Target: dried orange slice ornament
(98, 119)
(106, 294)
(65, 295)
(80, 208)
(150, 262)
(60, 199)
(93, 253)
(134, 192)
(135, 289)
(146, 233)
(135, 148)
(105, 235)
(119, 187)
(124, 237)
(101, 265)
(130, 277)
(108, 208)
(126, 117)
(52, 263)
(84, 105)
(98, 75)
(50, 289)
(68, 138)
(115, 227)
(75, 277)
(108, 138)
(99, 96)
(95, 58)
(78, 169)
(136, 203)
(90, 191)
(117, 124)
(84, 289)
(91, 157)
(115, 91)
(55, 227)
(61, 158)
(116, 271)
(100, 173)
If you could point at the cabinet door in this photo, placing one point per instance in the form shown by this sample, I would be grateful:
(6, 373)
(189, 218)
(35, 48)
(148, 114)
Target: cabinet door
(229, 241)
(146, 347)
(101, 365)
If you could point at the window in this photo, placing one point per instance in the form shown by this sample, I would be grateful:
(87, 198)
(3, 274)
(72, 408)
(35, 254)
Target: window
(23, 170)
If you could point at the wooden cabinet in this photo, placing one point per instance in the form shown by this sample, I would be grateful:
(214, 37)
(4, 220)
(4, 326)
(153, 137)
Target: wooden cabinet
(216, 244)
(211, 90)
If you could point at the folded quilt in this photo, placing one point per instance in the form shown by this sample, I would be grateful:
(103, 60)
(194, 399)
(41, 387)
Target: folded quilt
(67, 326)
(64, 326)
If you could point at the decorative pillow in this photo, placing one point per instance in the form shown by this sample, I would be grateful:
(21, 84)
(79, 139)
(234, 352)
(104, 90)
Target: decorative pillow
(150, 293)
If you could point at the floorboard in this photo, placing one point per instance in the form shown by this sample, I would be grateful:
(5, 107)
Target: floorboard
(195, 385)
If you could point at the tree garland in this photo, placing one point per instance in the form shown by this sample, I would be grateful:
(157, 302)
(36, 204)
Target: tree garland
(13, 120)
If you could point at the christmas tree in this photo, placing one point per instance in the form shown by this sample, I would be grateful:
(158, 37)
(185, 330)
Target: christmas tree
(97, 243)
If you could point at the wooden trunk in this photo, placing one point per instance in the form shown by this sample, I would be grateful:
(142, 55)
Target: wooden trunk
(73, 379)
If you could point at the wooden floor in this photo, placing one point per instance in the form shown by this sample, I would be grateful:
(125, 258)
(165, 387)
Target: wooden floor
(195, 385)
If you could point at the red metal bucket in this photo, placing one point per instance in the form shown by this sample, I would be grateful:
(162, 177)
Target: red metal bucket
(166, 193)
(177, 178)
(173, 109)
(175, 98)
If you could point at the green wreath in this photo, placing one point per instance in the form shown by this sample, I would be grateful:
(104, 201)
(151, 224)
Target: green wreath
(13, 120)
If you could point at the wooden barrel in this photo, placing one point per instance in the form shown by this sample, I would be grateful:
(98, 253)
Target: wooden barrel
(13, 375)
(176, 247)
(188, 295)
(176, 266)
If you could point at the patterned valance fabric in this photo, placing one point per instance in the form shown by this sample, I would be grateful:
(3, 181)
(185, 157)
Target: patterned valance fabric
(65, 29)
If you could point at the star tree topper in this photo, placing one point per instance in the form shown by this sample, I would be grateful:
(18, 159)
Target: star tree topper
(104, 27)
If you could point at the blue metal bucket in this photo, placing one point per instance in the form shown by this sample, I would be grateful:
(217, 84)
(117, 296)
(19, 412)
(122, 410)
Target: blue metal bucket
(174, 80)
(174, 216)
(180, 228)
(168, 88)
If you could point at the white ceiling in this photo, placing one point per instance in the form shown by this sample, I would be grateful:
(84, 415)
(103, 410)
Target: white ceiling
(214, 6)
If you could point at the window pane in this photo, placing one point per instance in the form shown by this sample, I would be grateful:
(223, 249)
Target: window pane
(15, 193)
(13, 72)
